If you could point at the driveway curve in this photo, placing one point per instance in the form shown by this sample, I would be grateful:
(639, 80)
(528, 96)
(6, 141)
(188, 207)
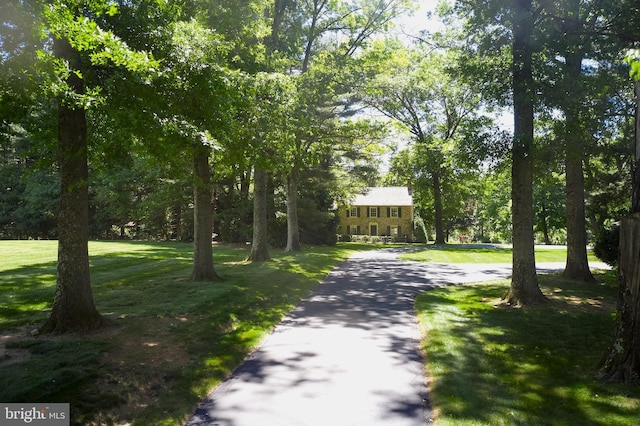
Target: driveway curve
(347, 355)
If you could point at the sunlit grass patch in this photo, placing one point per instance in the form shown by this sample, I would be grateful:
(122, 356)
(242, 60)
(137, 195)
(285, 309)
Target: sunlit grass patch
(490, 364)
(171, 340)
(465, 254)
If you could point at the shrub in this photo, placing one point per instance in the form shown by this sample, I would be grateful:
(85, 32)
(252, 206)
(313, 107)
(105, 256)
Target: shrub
(607, 244)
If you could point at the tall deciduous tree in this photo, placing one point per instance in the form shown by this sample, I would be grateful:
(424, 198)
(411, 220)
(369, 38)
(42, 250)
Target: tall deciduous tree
(442, 114)
(503, 42)
(524, 281)
(73, 305)
(259, 246)
(351, 24)
(203, 269)
(74, 33)
(272, 96)
(577, 266)
(199, 113)
(574, 33)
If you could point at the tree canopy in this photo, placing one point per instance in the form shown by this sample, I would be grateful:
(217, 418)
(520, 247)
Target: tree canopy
(250, 122)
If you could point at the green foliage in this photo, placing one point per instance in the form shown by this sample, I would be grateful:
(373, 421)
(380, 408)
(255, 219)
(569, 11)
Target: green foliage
(444, 117)
(632, 59)
(73, 21)
(493, 207)
(549, 203)
(535, 365)
(607, 245)
(318, 222)
(37, 213)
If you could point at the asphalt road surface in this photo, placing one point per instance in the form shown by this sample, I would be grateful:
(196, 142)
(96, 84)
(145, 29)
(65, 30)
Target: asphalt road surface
(347, 355)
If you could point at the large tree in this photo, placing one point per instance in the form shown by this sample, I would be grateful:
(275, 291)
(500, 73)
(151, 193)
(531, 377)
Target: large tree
(272, 97)
(199, 112)
(501, 46)
(323, 73)
(442, 114)
(78, 43)
(73, 305)
(524, 281)
(575, 40)
(259, 245)
(577, 266)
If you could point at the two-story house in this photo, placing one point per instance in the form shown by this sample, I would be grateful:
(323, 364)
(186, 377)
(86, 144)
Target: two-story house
(379, 211)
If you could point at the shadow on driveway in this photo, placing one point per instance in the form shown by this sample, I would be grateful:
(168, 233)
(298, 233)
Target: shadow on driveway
(348, 355)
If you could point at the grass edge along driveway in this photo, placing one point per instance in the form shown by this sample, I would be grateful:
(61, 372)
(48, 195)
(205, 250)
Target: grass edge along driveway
(171, 340)
(489, 364)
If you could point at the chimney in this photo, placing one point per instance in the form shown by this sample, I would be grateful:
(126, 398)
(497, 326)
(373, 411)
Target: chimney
(409, 188)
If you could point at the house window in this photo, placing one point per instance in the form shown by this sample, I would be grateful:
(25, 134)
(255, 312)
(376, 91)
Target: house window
(373, 212)
(393, 212)
(353, 212)
(353, 229)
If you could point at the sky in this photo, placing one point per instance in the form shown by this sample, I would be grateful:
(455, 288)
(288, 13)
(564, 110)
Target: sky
(419, 21)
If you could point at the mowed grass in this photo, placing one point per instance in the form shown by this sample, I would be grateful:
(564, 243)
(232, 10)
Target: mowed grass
(476, 254)
(170, 340)
(494, 365)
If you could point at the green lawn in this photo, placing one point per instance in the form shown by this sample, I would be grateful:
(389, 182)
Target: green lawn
(462, 254)
(495, 365)
(170, 341)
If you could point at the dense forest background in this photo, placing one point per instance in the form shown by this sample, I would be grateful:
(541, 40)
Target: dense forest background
(321, 95)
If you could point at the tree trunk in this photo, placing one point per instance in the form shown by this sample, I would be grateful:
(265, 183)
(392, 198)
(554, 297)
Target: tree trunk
(577, 267)
(293, 225)
(635, 197)
(545, 225)
(203, 269)
(437, 206)
(246, 217)
(176, 222)
(260, 246)
(73, 305)
(622, 361)
(524, 282)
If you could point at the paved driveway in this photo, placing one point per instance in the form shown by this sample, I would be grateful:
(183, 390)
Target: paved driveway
(348, 355)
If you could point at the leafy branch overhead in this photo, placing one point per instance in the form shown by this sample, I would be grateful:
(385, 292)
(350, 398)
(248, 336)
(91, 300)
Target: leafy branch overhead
(633, 60)
(71, 21)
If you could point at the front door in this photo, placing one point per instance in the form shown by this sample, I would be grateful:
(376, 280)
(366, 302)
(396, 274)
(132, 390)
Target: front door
(373, 229)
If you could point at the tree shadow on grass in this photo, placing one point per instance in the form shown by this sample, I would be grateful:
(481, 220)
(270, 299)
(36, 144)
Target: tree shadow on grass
(524, 366)
(368, 302)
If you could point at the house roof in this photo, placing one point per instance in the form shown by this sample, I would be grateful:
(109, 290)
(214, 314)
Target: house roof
(384, 196)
